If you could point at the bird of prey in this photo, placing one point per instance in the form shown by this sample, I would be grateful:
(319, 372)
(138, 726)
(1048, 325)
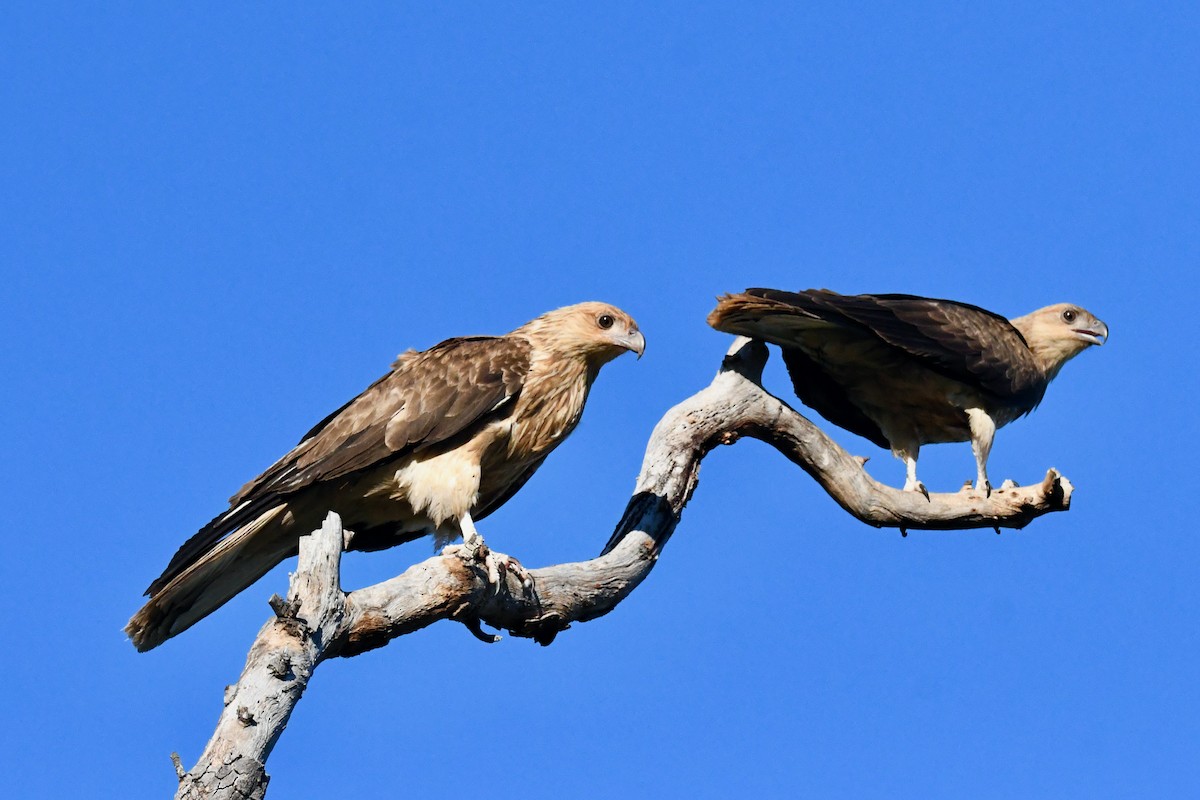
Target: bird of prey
(904, 371)
(442, 440)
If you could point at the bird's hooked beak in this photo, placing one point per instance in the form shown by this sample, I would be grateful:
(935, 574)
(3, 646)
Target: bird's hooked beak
(1095, 333)
(633, 341)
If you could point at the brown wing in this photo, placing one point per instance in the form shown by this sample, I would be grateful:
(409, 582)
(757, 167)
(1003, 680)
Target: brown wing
(431, 398)
(958, 340)
(428, 399)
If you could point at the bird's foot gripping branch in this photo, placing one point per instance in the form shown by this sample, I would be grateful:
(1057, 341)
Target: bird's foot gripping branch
(497, 566)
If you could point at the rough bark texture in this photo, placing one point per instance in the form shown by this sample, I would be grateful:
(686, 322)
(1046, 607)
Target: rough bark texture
(318, 621)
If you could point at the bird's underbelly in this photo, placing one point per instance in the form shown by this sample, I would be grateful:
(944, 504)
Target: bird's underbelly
(912, 422)
(916, 406)
(414, 495)
(428, 491)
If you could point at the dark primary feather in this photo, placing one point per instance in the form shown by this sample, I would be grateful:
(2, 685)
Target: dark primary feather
(957, 340)
(427, 400)
(819, 390)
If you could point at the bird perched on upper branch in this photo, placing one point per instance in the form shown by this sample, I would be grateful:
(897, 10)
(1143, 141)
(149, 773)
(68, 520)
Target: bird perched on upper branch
(904, 371)
(444, 439)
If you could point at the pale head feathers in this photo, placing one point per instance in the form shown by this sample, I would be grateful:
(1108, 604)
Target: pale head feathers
(1056, 334)
(570, 345)
(592, 331)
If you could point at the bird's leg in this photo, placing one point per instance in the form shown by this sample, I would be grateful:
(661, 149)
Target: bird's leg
(472, 542)
(909, 456)
(475, 549)
(983, 431)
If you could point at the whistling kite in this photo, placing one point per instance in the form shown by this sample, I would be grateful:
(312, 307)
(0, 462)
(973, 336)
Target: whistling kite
(443, 439)
(904, 371)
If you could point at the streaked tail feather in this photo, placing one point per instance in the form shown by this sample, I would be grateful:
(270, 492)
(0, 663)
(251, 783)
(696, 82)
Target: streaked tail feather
(213, 579)
(769, 318)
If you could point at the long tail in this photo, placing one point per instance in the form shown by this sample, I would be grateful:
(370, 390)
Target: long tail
(212, 579)
(772, 315)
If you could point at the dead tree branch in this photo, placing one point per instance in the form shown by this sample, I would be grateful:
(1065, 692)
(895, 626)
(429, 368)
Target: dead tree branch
(318, 621)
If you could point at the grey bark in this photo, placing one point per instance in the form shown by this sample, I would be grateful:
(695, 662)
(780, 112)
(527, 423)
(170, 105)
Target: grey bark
(318, 621)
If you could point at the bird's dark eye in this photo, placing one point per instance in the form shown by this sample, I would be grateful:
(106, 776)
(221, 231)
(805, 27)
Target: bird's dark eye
(605, 321)
(1069, 315)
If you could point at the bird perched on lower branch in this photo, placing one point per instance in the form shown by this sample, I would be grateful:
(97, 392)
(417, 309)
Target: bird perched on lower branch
(904, 371)
(444, 439)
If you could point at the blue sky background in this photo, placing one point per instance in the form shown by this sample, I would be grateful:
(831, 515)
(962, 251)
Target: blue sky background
(218, 224)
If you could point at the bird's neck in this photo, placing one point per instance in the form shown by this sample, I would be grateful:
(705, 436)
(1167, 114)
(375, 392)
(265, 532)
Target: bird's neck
(551, 401)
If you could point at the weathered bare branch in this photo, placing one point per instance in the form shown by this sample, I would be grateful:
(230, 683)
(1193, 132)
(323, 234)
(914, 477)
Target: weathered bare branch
(280, 663)
(319, 621)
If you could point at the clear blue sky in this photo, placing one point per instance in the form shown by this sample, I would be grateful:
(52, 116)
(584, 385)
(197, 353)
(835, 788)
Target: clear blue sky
(219, 224)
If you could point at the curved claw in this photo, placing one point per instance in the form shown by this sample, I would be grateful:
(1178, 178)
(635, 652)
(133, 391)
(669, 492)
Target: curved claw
(508, 564)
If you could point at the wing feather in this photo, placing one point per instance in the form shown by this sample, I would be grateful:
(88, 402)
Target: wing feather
(428, 399)
(958, 340)
(822, 392)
